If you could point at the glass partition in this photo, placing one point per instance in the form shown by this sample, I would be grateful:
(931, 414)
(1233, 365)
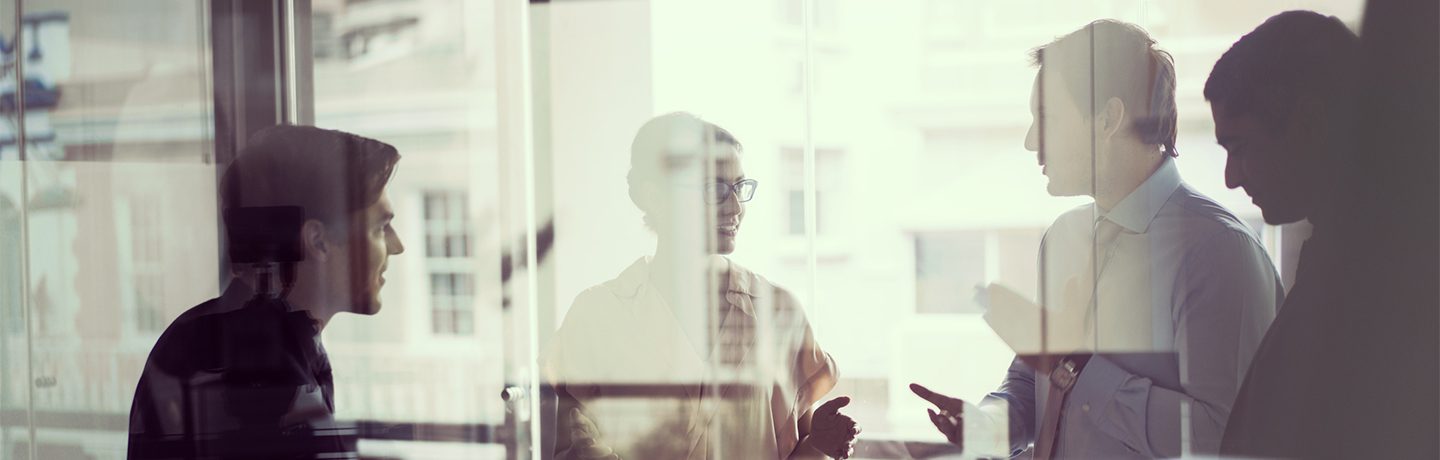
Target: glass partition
(652, 229)
(421, 76)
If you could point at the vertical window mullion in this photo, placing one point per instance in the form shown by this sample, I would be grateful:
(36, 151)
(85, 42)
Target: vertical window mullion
(808, 153)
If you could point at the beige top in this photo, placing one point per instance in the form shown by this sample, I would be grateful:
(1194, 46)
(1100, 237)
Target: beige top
(625, 359)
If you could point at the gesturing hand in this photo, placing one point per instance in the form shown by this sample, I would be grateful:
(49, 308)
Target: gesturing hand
(585, 439)
(831, 432)
(950, 420)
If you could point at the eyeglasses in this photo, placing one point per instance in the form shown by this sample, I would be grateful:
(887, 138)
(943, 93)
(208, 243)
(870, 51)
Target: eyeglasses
(717, 192)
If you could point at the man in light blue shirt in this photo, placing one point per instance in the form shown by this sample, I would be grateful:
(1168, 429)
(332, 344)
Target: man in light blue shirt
(1165, 293)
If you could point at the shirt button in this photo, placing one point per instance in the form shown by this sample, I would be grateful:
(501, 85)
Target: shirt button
(1085, 407)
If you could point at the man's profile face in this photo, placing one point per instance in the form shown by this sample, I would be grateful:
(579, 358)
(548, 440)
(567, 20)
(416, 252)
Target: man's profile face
(364, 255)
(1066, 159)
(1265, 161)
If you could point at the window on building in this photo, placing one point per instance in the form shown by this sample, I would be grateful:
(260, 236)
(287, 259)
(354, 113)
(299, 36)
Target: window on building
(145, 263)
(447, 249)
(822, 13)
(950, 265)
(452, 297)
(829, 164)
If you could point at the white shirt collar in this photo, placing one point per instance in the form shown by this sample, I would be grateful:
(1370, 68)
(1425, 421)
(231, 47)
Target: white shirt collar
(1140, 207)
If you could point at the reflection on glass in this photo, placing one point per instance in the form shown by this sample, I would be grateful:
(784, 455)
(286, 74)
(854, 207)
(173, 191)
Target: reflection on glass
(116, 200)
(686, 354)
(900, 123)
(308, 235)
(423, 379)
(1153, 298)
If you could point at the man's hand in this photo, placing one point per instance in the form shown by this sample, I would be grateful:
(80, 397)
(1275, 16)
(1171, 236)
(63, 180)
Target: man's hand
(950, 420)
(831, 432)
(585, 439)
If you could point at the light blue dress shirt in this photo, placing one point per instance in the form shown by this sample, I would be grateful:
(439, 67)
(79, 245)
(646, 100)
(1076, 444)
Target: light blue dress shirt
(1183, 295)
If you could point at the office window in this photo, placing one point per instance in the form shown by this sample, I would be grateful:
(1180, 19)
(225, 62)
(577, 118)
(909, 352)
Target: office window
(822, 13)
(828, 188)
(447, 249)
(452, 298)
(948, 267)
(446, 217)
(147, 268)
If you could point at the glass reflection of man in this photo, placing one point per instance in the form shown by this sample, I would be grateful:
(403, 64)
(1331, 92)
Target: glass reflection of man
(245, 375)
(1168, 291)
(686, 354)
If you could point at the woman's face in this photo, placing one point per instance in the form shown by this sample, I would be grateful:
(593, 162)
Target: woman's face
(696, 206)
(729, 211)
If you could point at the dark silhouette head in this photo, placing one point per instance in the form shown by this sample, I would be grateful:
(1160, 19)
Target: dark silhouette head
(1281, 100)
(338, 181)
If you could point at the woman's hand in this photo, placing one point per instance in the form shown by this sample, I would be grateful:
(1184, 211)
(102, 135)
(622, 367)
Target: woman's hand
(831, 432)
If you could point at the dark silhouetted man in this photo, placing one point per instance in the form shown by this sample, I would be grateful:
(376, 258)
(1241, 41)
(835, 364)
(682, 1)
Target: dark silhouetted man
(245, 375)
(1349, 368)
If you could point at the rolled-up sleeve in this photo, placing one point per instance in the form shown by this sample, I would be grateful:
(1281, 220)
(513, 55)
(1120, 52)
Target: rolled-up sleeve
(1225, 298)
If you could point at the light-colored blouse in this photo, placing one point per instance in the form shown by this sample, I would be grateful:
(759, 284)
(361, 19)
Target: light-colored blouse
(624, 359)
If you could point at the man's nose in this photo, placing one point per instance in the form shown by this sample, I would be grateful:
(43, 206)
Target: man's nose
(1032, 138)
(1234, 173)
(394, 245)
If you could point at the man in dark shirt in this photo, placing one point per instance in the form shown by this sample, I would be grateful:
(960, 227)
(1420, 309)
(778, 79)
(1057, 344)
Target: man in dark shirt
(1319, 125)
(245, 375)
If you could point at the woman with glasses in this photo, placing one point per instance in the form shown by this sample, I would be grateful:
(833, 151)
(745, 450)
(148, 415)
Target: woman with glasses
(687, 355)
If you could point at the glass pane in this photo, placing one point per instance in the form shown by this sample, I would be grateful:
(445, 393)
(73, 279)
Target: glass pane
(931, 107)
(15, 376)
(980, 197)
(116, 198)
(668, 337)
(423, 376)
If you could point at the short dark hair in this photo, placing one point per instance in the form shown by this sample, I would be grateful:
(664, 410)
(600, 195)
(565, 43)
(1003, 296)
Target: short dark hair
(652, 143)
(329, 174)
(1109, 58)
(668, 141)
(1292, 55)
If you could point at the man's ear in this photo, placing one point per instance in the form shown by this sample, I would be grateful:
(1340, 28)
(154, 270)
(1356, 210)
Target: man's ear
(312, 238)
(1305, 116)
(1111, 118)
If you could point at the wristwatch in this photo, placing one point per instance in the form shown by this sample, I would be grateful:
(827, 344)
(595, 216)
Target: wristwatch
(1065, 375)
